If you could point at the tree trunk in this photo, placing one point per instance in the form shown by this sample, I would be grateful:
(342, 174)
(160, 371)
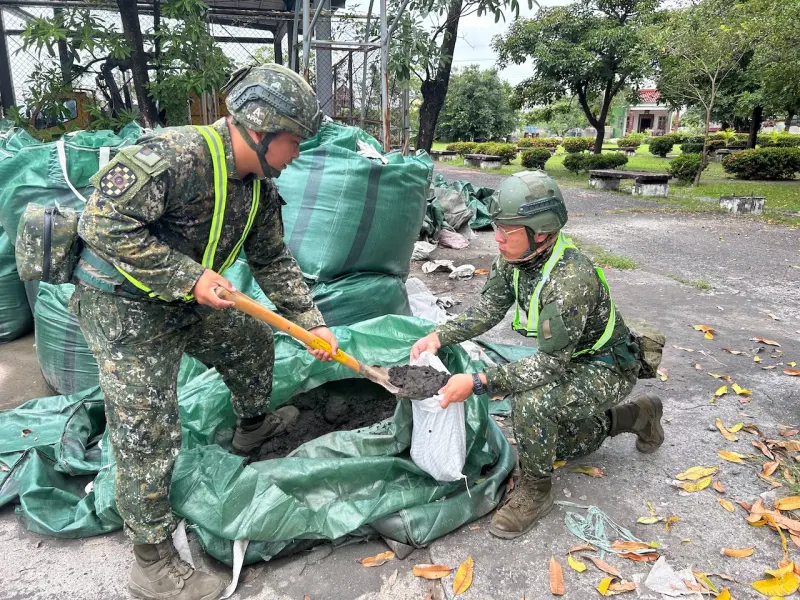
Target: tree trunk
(755, 124)
(129, 15)
(788, 122)
(64, 54)
(434, 90)
(703, 154)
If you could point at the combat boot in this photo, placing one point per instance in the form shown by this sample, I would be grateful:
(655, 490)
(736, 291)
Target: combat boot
(159, 573)
(642, 417)
(528, 502)
(249, 438)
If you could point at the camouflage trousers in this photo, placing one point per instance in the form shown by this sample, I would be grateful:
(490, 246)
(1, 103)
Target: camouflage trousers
(566, 418)
(138, 347)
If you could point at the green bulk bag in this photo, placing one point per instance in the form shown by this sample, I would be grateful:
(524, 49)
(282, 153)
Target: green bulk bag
(67, 364)
(361, 296)
(15, 315)
(346, 213)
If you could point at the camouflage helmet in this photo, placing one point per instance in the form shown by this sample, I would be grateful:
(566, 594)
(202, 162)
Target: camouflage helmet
(531, 199)
(270, 99)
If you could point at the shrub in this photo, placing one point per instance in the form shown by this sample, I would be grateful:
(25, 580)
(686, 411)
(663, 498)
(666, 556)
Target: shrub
(507, 152)
(535, 158)
(573, 145)
(691, 147)
(778, 140)
(628, 142)
(526, 143)
(462, 147)
(661, 146)
(763, 163)
(545, 143)
(714, 145)
(685, 167)
(576, 162)
(642, 138)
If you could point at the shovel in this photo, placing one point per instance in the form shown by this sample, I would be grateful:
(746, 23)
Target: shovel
(262, 313)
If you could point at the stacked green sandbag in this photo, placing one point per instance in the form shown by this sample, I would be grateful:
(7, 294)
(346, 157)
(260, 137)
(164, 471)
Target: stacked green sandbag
(15, 314)
(351, 221)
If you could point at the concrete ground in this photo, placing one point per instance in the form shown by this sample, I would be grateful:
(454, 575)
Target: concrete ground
(752, 271)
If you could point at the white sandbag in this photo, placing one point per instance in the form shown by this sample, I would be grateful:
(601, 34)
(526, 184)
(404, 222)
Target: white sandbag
(439, 436)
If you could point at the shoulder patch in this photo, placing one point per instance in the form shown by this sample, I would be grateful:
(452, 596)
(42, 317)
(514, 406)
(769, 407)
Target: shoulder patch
(118, 180)
(147, 157)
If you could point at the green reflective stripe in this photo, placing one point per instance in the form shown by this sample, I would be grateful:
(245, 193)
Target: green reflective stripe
(532, 326)
(250, 219)
(140, 285)
(220, 192)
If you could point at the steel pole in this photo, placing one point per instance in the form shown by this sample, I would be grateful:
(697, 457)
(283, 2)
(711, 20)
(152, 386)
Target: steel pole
(387, 142)
(6, 83)
(364, 72)
(293, 37)
(306, 36)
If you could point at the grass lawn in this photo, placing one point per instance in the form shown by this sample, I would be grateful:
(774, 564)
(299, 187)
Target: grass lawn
(782, 196)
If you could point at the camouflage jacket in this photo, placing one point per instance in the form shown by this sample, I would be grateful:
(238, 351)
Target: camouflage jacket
(151, 215)
(573, 295)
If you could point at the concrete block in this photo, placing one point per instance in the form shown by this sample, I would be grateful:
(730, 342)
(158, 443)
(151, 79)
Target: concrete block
(746, 205)
(604, 183)
(660, 190)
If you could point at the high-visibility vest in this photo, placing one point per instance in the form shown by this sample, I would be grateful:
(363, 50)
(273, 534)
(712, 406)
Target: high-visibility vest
(217, 150)
(532, 326)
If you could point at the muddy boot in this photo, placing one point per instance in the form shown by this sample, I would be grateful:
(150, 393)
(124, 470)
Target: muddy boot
(642, 417)
(528, 502)
(249, 438)
(160, 573)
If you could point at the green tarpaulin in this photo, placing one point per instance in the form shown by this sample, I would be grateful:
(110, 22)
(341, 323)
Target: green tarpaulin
(15, 314)
(343, 483)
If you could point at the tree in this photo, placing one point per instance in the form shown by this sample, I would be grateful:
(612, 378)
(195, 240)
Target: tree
(702, 46)
(476, 107)
(591, 49)
(426, 51)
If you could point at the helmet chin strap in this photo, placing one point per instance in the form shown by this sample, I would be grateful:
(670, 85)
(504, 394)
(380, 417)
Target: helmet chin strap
(259, 148)
(535, 250)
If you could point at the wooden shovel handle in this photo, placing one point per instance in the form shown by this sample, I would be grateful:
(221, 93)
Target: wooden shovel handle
(262, 313)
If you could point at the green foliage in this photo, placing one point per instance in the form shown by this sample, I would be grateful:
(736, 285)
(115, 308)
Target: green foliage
(535, 158)
(642, 138)
(558, 117)
(462, 147)
(476, 106)
(586, 162)
(714, 145)
(686, 167)
(763, 163)
(507, 152)
(692, 147)
(628, 142)
(546, 143)
(778, 140)
(662, 145)
(573, 145)
(525, 143)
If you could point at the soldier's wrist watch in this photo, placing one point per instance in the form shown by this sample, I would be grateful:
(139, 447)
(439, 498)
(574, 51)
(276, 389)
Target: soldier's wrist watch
(478, 387)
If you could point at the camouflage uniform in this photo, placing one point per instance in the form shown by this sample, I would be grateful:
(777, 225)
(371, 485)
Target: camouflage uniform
(151, 216)
(559, 401)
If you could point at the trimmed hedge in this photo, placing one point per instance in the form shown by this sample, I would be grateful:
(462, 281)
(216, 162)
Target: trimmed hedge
(685, 167)
(526, 143)
(763, 163)
(576, 144)
(546, 142)
(507, 152)
(691, 147)
(628, 142)
(781, 140)
(462, 147)
(576, 162)
(535, 158)
(661, 146)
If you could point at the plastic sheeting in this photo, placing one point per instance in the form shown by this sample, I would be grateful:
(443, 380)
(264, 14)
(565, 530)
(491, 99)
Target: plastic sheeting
(347, 213)
(347, 483)
(15, 314)
(360, 296)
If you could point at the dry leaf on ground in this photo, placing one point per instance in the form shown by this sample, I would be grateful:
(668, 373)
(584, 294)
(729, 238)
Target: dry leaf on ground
(769, 467)
(649, 520)
(431, 571)
(788, 432)
(556, 577)
(378, 560)
(786, 568)
(590, 471)
(765, 451)
(604, 584)
(764, 341)
(646, 557)
(670, 521)
(695, 473)
(705, 581)
(708, 331)
(734, 352)
(582, 548)
(695, 486)
(605, 567)
(734, 457)
(717, 485)
(738, 552)
(788, 503)
(620, 588)
(721, 391)
(629, 546)
(463, 578)
(793, 372)
(777, 586)
(727, 504)
(724, 595)
(757, 359)
(741, 391)
(481, 271)
(723, 430)
(558, 464)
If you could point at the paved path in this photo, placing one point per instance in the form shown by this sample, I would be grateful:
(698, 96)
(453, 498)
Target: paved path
(750, 266)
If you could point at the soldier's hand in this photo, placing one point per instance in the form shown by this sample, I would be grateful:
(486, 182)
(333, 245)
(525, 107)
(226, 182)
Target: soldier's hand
(430, 343)
(327, 335)
(204, 293)
(457, 389)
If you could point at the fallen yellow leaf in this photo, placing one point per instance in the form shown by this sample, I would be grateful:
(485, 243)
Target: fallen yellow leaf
(431, 571)
(721, 391)
(734, 457)
(463, 578)
(723, 595)
(777, 586)
(695, 486)
(704, 580)
(726, 434)
(791, 364)
(769, 467)
(695, 473)
(763, 341)
(703, 328)
(757, 359)
(590, 471)
(736, 427)
(741, 391)
(670, 521)
(726, 504)
(649, 520)
(738, 552)
(709, 335)
(686, 541)
(556, 577)
(576, 565)
(789, 568)
(602, 587)
(620, 588)
(558, 464)
(377, 560)
(719, 487)
(773, 317)
(788, 503)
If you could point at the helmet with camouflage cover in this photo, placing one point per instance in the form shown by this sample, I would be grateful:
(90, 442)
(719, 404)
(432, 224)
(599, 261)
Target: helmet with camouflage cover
(271, 99)
(530, 199)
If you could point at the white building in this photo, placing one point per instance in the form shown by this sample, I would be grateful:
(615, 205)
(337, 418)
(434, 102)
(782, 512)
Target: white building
(649, 115)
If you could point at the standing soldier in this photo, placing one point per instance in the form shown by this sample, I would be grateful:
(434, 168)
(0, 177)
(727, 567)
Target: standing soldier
(565, 395)
(168, 216)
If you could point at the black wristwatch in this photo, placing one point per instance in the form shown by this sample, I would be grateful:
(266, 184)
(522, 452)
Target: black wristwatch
(478, 387)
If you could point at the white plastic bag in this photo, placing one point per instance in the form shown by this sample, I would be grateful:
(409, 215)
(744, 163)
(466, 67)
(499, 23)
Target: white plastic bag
(439, 435)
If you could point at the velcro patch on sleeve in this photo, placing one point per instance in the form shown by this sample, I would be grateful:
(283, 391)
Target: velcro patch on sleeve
(117, 181)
